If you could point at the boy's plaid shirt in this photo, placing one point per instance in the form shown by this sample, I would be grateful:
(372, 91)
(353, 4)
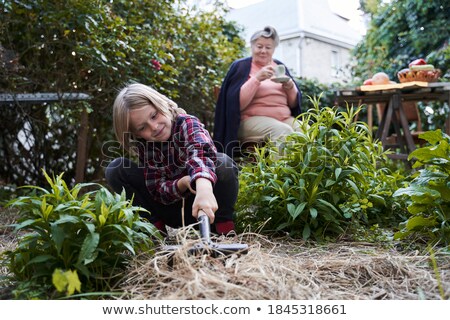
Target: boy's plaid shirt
(189, 151)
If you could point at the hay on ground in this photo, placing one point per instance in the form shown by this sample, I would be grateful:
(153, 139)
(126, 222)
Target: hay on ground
(284, 269)
(287, 270)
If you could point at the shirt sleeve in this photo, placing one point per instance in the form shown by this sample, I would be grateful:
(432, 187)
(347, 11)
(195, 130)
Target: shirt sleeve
(162, 191)
(200, 152)
(248, 91)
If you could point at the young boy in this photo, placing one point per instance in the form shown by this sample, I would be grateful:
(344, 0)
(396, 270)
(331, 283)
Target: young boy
(177, 159)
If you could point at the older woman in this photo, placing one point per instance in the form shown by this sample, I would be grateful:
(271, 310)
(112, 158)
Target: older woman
(254, 100)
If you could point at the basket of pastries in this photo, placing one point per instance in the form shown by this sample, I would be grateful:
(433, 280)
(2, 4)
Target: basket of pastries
(419, 70)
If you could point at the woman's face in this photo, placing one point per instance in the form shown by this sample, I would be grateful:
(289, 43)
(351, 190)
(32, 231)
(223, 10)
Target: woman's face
(262, 51)
(149, 124)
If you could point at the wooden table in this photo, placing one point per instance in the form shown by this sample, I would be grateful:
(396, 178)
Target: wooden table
(393, 96)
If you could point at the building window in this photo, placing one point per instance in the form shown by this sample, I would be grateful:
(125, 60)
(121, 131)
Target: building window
(335, 63)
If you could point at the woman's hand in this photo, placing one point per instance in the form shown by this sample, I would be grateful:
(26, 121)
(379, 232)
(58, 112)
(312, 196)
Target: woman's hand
(266, 72)
(288, 85)
(204, 199)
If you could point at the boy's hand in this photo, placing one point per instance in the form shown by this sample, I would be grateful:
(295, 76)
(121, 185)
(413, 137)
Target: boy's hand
(205, 200)
(185, 184)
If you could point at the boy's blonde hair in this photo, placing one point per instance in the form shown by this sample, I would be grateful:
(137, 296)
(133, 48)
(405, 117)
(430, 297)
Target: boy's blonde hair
(135, 96)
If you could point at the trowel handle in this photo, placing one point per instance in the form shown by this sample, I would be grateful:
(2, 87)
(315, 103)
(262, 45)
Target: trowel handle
(205, 228)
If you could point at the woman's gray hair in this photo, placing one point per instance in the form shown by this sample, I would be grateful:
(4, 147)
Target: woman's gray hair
(269, 33)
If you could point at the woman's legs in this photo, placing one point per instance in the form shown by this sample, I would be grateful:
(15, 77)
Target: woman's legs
(294, 123)
(265, 126)
(275, 130)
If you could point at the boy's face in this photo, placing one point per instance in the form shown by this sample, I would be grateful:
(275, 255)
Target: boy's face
(149, 124)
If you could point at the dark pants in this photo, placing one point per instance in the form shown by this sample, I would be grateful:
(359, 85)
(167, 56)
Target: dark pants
(123, 173)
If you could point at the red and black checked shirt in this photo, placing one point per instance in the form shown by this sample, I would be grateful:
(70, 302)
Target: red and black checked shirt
(189, 151)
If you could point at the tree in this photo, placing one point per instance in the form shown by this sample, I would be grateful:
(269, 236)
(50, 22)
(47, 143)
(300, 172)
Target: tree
(401, 31)
(95, 47)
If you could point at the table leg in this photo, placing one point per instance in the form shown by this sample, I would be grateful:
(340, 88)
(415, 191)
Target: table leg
(394, 115)
(404, 123)
(400, 141)
(385, 122)
(370, 116)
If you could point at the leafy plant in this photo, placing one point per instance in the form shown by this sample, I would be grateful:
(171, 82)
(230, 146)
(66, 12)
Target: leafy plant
(93, 47)
(433, 114)
(319, 180)
(428, 194)
(71, 241)
(401, 31)
(312, 88)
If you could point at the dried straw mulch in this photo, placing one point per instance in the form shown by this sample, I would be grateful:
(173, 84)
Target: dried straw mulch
(278, 269)
(281, 269)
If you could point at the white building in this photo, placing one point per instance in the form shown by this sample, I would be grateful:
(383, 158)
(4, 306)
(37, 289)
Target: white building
(315, 42)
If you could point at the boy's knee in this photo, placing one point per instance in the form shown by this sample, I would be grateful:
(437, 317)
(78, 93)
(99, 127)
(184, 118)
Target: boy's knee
(224, 160)
(114, 171)
(226, 171)
(112, 168)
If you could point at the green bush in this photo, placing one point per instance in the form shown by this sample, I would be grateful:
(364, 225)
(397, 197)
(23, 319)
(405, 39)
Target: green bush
(95, 47)
(73, 242)
(313, 88)
(319, 182)
(428, 194)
